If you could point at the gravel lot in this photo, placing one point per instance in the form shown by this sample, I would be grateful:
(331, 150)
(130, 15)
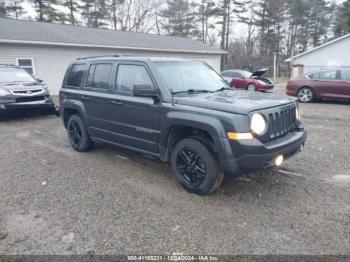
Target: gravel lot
(54, 200)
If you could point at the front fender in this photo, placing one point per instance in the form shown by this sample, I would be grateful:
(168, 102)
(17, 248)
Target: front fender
(209, 124)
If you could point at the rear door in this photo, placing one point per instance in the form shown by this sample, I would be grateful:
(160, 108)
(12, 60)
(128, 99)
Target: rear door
(327, 83)
(96, 97)
(135, 121)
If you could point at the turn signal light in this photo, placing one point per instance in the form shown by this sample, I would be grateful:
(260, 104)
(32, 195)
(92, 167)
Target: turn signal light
(239, 136)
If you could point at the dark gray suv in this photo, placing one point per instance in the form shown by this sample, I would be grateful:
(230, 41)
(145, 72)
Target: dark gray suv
(181, 112)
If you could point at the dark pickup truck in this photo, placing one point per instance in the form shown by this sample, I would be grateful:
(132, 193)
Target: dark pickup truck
(181, 112)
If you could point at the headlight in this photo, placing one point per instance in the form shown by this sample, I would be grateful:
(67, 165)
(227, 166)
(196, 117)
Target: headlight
(258, 124)
(4, 92)
(297, 113)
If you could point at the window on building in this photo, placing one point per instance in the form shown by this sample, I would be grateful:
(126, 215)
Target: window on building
(129, 75)
(76, 75)
(27, 64)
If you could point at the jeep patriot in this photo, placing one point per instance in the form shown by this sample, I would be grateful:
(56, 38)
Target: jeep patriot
(180, 111)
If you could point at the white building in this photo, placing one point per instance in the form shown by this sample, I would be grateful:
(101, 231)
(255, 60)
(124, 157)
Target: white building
(334, 54)
(46, 49)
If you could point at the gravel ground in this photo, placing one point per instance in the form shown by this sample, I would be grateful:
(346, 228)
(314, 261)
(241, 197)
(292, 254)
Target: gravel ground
(54, 200)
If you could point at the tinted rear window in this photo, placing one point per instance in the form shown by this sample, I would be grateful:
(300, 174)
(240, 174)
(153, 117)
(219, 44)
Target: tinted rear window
(76, 75)
(101, 76)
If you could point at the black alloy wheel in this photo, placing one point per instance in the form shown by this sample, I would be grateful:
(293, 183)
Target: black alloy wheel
(191, 167)
(77, 134)
(195, 166)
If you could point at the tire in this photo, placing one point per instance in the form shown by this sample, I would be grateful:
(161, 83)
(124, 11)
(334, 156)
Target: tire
(77, 134)
(251, 87)
(195, 168)
(305, 95)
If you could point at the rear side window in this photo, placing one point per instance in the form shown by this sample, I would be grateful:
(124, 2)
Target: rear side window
(76, 75)
(345, 75)
(128, 75)
(328, 75)
(101, 76)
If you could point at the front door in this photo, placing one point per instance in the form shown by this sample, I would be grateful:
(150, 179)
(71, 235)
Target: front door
(134, 121)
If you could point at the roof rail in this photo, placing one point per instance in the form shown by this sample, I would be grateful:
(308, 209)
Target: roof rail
(101, 56)
(8, 65)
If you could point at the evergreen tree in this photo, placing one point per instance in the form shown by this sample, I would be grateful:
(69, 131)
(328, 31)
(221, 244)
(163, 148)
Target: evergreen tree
(179, 17)
(342, 24)
(47, 11)
(72, 7)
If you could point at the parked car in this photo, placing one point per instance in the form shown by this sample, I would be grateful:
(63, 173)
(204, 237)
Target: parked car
(20, 90)
(246, 80)
(197, 122)
(328, 84)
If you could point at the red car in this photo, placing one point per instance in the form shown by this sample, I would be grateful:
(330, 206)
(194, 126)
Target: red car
(246, 80)
(330, 84)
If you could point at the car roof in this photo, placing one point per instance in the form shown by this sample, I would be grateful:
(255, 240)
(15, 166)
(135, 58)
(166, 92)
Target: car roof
(130, 58)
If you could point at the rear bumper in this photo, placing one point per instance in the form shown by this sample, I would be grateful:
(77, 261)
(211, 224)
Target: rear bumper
(291, 90)
(253, 155)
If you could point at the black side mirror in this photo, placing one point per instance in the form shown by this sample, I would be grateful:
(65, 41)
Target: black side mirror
(40, 80)
(144, 90)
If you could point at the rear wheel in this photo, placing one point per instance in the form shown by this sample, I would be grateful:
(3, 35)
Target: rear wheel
(251, 87)
(195, 168)
(305, 95)
(77, 134)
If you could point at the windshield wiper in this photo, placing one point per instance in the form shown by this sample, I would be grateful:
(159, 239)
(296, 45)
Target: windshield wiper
(192, 91)
(223, 89)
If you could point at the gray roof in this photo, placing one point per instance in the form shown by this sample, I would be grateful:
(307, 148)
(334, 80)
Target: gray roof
(31, 32)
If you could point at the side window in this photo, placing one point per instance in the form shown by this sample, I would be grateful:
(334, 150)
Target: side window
(90, 76)
(101, 76)
(27, 64)
(128, 75)
(345, 75)
(227, 74)
(76, 75)
(328, 75)
(235, 74)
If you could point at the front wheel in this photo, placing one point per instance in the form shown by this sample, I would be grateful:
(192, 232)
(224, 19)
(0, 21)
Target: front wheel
(305, 95)
(251, 87)
(77, 134)
(195, 167)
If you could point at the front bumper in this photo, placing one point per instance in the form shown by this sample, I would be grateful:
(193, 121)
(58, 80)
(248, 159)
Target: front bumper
(10, 104)
(253, 155)
(265, 87)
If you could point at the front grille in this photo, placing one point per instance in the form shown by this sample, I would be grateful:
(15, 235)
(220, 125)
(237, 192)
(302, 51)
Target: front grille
(26, 92)
(281, 122)
(30, 99)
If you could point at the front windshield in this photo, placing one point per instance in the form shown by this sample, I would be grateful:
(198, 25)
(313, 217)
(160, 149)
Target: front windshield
(246, 74)
(8, 75)
(182, 76)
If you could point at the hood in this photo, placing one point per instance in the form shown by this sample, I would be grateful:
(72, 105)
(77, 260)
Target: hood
(260, 72)
(239, 102)
(21, 86)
